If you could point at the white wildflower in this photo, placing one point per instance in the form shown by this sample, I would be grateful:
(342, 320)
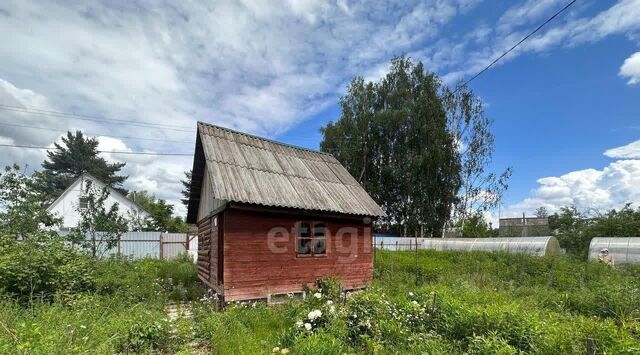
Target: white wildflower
(329, 302)
(83, 326)
(314, 314)
(332, 309)
(317, 295)
(275, 350)
(284, 351)
(299, 324)
(307, 326)
(410, 293)
(415, 302)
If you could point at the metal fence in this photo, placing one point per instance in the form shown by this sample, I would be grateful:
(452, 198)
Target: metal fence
(137, 245)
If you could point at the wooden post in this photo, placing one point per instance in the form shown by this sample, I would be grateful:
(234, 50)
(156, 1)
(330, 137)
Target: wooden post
(416, 257)
(161, 247)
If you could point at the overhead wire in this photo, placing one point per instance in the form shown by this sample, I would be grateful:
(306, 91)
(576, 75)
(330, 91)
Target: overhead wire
(556, 14)
(99, 151)
(93, 134)
(92, 118)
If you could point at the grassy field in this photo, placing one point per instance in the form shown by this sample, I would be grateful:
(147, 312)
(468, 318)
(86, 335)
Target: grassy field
(432, 302)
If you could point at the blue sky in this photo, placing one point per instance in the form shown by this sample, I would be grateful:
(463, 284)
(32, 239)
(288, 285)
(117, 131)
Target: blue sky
(559, 102)
(554, 112)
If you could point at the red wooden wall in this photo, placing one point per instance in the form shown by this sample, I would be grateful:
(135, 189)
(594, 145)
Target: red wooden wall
(253, 269)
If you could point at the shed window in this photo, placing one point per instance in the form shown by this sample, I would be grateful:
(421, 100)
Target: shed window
(311, 238)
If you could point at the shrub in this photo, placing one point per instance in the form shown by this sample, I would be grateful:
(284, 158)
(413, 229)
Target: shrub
(44, 269)
(145, 279)
(145, 331)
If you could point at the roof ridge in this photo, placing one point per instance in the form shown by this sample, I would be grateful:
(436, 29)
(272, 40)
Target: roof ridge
(266, 139)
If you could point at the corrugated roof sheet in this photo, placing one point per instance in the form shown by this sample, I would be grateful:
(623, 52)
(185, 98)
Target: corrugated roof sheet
(249, 169)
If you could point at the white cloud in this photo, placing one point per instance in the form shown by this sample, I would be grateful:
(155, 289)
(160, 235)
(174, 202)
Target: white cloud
(629, 151)
(529, 11)
(160, 177)
(612, 187)
(259, 66)
(590, 189)
(631, 69)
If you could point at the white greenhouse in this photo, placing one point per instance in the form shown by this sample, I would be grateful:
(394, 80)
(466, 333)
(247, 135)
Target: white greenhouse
(621, 250)
(538, 246)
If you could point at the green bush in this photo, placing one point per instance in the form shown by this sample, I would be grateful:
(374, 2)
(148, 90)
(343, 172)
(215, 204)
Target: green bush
(32, 270)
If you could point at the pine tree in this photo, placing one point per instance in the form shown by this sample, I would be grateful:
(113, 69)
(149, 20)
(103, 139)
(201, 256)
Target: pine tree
(186, 193)
(76, 155)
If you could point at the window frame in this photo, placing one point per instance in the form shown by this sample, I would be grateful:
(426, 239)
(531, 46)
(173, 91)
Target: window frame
(80, 202)
(312, 237)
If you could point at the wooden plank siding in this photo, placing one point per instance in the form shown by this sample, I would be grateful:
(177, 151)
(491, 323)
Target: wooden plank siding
(255, 266)
(209, 252)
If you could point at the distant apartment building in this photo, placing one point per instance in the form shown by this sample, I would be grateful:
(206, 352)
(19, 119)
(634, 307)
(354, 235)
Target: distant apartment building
(524, 227)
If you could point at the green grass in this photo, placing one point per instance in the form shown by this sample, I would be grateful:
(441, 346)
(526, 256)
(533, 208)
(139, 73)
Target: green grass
(430, 303)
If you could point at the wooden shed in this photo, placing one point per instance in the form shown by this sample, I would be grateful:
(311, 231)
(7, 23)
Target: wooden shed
(274, 217)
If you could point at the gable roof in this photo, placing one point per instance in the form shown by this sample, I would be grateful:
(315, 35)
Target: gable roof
(112, 191)
(250, 169)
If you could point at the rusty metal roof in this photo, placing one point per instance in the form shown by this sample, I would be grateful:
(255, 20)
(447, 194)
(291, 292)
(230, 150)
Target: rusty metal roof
(249, 169)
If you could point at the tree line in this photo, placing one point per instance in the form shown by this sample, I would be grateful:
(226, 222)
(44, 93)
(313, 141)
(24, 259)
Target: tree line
(575, 228)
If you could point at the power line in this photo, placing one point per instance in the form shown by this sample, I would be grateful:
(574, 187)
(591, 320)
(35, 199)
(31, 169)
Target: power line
(99, 151)
(92, 118)
(93, 134)
(520, 42)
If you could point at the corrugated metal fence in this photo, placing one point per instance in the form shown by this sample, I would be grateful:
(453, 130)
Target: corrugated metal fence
(158, 245)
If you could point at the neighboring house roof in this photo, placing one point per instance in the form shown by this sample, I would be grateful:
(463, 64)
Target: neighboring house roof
(250, 169)
(112, 191)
